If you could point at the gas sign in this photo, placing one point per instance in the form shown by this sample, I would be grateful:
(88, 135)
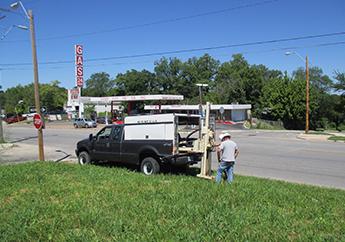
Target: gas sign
(79, 71)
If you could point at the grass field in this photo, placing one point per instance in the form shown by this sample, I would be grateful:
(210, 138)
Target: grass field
(46, 201)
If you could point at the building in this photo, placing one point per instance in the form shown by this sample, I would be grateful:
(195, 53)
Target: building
(233, 112)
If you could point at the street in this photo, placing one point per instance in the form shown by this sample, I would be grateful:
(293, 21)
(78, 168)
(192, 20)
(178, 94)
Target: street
(269, 154)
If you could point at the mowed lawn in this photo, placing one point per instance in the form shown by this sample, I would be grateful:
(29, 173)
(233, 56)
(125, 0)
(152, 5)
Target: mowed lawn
(47, 201)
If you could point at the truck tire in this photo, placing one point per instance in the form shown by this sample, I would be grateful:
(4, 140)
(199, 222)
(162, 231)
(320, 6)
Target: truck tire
(149, 166)
(84, 158)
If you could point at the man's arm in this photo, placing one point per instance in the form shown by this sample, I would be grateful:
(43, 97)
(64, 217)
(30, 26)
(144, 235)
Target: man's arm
(237, 151)
(219, 150)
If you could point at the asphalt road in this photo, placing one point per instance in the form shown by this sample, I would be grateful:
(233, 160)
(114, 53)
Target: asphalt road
(277, 155)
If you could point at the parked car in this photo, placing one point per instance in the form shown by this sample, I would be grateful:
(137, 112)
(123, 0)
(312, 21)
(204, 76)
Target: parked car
(101, 120)
(84, 123)
(14, 119)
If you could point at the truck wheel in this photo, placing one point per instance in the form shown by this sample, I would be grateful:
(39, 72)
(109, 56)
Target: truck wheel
(84, 158)
(149, 166)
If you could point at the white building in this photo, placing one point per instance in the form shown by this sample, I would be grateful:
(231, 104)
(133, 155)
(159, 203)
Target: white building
(233, 112)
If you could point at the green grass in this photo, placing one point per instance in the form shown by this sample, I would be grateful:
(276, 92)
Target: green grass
(337, 138)
(319, 133)
(47, 201)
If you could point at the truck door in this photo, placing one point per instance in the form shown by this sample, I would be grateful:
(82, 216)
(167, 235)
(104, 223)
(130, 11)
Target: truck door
(114, 151)
(102, 143)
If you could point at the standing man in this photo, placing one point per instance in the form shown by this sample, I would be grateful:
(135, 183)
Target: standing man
(228, 152)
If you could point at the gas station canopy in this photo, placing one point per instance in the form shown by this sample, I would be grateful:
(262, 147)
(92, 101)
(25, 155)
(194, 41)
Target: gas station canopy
(157, 97)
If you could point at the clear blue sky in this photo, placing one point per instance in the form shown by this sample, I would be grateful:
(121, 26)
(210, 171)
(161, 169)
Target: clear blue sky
(275, 20)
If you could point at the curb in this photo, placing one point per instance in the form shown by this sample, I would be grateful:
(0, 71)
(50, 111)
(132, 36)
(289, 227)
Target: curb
(311, 137)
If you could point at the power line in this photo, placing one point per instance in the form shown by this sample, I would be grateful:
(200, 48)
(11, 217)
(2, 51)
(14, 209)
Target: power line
(188, 50)
(8, 11)
(243, 52)
(164, 21)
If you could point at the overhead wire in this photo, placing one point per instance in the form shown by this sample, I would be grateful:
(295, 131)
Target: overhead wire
(187, 50)
(164, 21)
(150, 61)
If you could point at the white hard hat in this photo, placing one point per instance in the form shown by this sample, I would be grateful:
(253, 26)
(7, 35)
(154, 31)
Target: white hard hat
(222, 136)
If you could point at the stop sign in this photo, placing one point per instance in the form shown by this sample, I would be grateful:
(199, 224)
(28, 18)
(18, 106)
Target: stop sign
(38, 122)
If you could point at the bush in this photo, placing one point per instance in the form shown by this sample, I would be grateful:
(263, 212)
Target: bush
(267, 124)
(341, 127)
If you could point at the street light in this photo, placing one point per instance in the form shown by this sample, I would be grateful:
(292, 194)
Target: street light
(307, 87)
(29, 15)
(201, 85)
(16, 108)
(15, 5)
(2, 140)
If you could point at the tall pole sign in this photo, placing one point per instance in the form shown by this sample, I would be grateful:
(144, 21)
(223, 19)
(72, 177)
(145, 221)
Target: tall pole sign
(79, 72)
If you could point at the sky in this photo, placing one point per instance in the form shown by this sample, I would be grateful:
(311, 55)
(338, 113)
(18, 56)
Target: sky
(109, 28)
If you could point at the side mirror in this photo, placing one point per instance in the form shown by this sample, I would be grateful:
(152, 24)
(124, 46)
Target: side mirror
(90, 137)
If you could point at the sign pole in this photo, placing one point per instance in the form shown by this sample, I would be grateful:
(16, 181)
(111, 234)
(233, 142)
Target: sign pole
(79, 72)
(36, 85)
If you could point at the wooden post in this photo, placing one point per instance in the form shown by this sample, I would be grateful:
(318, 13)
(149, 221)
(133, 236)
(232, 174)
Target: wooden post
(36, 85)
(307, 96)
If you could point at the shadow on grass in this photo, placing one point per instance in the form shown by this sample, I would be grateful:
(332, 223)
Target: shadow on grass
(165, 169)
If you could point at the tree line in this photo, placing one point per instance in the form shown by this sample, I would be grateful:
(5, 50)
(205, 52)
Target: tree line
(274, 94)
(18, 99)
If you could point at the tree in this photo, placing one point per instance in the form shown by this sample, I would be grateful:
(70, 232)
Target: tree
(177, 77)
(169, 76)
(239, 82)
(321, 82)
(51, 96)
(198, 70)
(136, 83)
(274, 99)
(340, 84)
(98, 85)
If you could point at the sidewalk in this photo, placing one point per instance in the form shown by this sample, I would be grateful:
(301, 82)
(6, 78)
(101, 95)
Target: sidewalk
(319, 137)
(19, 152)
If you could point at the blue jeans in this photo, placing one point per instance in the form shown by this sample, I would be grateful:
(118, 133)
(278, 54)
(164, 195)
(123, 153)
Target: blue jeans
(228, 167)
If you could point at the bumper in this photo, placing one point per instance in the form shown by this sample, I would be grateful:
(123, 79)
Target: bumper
(184, 159)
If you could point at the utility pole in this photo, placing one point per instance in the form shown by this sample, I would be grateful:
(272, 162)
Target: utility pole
(307, 96)
(2, 140)
(36, 85)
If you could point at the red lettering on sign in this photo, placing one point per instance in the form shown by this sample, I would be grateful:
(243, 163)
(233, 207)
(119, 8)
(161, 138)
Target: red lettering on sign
(80, 81)
(79, 60)
(79, 71)
(78, 49)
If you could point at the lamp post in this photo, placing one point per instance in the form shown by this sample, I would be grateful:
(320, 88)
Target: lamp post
(2, 140)
(29, 15)
(16, 109)
(306, 88)
(201, 85)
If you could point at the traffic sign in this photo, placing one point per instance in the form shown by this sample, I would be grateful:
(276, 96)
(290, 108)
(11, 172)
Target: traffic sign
(33, 109)
(221, 110)
(38, 122)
